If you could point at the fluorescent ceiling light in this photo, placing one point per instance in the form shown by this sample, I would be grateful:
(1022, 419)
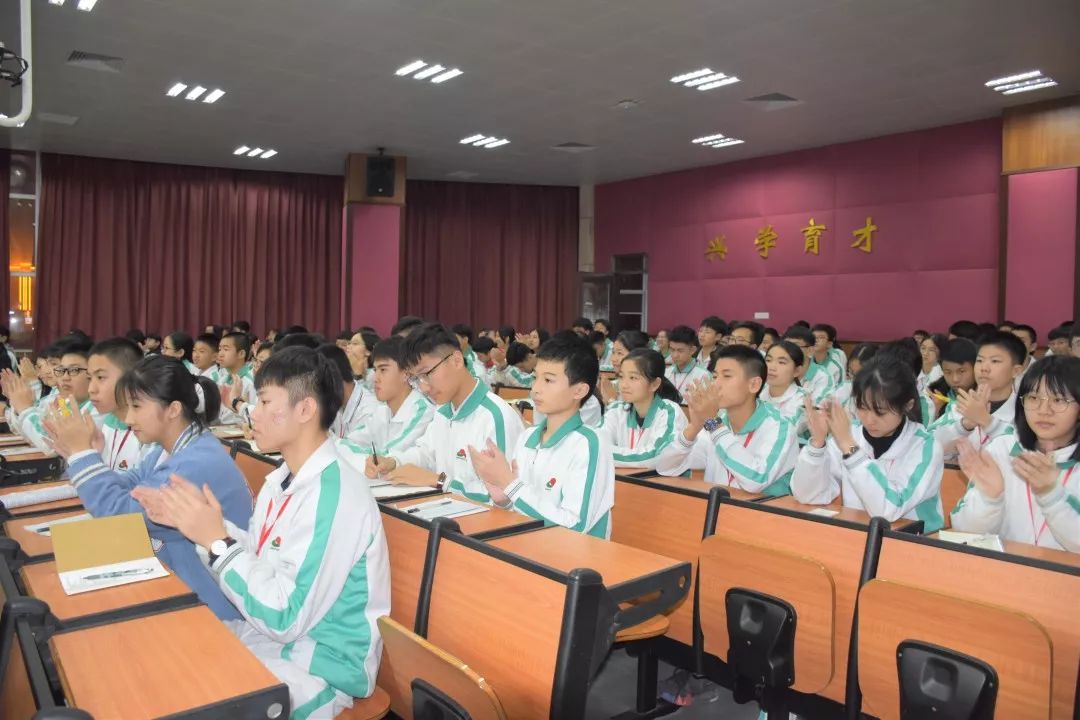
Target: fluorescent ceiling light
(428, 72)
(708, 138)
(195, 92)
(56, 2)
(448, 75)
(472, 138)
(719, 83)
(176, 89)
(213, 96)
(485, 141)
(498, 143)
(241, 150)
(1037, 86)
(256, 151)
(691, 75)
(410, 68)
(726, 142)
(1013, 78)
(706, 79)
(268, 154)
(87, 5)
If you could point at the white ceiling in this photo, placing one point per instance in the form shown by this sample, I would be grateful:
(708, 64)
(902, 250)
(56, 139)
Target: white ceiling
(315, 79)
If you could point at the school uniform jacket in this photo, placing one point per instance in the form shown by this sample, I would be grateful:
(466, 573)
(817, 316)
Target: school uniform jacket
(246, 386)
(122, 450)
(1051, 520)
(790, 405)
(683, 378)
(310, 571)
(567, 480)
(592, 414)
(510, 376)
(392, 432)
(925, 380)
(637, 441)
(832, 366)
(356, 412)
(818, 382)
(30, 423)
(198, 457)
(444, 448)
(905, 482)
(759, 458)
(605, 360)
(949, 428)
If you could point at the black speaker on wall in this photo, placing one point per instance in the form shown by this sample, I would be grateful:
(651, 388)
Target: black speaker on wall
(380, 176)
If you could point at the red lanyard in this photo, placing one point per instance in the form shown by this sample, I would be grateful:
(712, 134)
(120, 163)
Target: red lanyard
(265, 532)
(1031, 506)
(679, 386)
(115, 452)
(746, 443)
(634, 437)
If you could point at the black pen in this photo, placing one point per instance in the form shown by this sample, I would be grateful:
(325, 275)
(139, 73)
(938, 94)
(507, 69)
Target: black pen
(374, 455)
(425, 506)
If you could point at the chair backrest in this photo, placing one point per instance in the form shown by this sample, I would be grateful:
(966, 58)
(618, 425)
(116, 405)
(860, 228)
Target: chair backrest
(16, 694)
(406, 541)
(802, 582)
(512, 393)
(835, 545)
(953, 486)
(1044, 591)
(407, 656)
(1014, 644)
(254, 466)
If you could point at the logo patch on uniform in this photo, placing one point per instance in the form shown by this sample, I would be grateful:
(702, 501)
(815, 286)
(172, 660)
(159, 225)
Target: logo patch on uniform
(550, 483)
(123, 465)
(276, 542)
(461, 454)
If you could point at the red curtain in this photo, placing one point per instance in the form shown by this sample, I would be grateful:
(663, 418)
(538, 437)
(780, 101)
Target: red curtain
(5, 276)
(491, 254)
(165, 247)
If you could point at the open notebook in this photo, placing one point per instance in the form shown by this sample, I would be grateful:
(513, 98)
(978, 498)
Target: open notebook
(103, 553)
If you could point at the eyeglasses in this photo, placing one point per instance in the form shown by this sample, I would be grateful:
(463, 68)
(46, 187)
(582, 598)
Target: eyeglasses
(1056, 404)
(424, 378)
(72, 371)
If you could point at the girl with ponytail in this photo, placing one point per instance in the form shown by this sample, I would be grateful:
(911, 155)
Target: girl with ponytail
(647, 416)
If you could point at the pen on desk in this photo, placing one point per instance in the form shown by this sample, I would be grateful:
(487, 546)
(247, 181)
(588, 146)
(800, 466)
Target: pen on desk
(119, 573)
(426, 506)
(374, 455)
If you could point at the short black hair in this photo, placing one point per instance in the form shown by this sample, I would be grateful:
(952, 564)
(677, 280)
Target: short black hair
(863, 352)
(429, 339)
(406, 324)
(584, 323)
(209, 339)
(338, 359)
(215, 330)
(483, 345)
(153, 336)
(770, 331)
(345, 335)
(542, 335)
(181, 341)
(366, 329)
(757, 333)
(1027, 329)
(716, 324)
(77, 346)
(517, 352)
(294, 330)
(120, 351)
(798, 332)
(749, 360)
(136, 336)
(243, 342)
(632, 339)
(1061, 332)
(577, 357)
(242, 326)
(887, 383)
(462, 330)
(1007, 324)
(54, 351)
(798, 357)
(507, 334)
(597, 338)
(802, 323)
(1007, 342)
(1060, 375)
(289, 340)
(391, 348)
(960, 351)
(829, 330)
(904, 351)
(602, 321)
(304, 372)
(683, 334)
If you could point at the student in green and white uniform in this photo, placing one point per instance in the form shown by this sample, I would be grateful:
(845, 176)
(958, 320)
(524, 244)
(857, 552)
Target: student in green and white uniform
(860, 355)
(784, 363)
(357, 404)
(684, 370)
(234, 351)
(602, 326)
(204, 356)
(180, 345)
(816, 380)
(660, 345)
(647, 417)
(885, 463)
(108, 361)
(827, 357)
(1026, 488)
(627, 341)
(710, 337)
(517, 370)
(310, 574)
(467, 413)
(402, 415)
(736, 438)
(564, 472)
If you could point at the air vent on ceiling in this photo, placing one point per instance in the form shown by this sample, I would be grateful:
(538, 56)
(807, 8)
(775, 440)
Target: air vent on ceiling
(773, 101)
(94, 61)
(57, 118)
(573, 147)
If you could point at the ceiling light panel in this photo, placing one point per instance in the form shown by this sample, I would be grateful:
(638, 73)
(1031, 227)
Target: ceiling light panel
(1021, 82)
(704, 79)
(432, 72)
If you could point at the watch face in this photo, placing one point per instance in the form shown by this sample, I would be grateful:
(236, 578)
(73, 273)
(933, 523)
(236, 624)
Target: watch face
(218, 547)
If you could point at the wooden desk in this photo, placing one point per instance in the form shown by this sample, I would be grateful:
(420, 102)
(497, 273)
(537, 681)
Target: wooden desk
(492, 523)
(125, 670)
(845, 514)
(1060, 557)
(9, 440)
(32, 544)
(42, 582)
(628, 572)
(695, 483)
(23, 458)
(40, 508)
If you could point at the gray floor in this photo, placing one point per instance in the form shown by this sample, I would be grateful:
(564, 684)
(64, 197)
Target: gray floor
(613, 693)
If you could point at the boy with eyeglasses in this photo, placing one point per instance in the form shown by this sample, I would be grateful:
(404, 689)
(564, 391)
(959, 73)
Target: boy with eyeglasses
(467, 413)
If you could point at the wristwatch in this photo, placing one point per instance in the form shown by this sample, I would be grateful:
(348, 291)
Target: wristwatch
(850, 451)
(219, 548)
(440, 482)
(235, 402)
(712, 425)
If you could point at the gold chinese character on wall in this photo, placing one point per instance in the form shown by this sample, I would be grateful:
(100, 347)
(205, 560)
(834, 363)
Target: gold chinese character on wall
(812, 236)
(864, 236)
(716, 249)
(765, 240)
